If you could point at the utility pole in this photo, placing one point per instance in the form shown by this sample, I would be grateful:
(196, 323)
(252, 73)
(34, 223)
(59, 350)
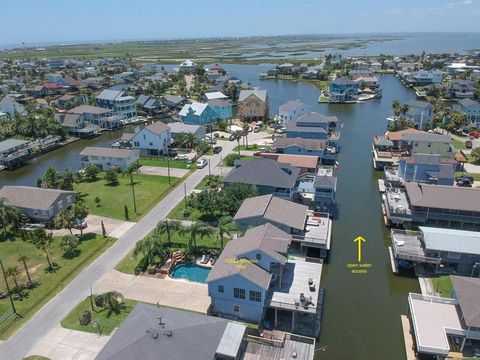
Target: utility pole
(8, 288)
(185, 194)
(168, 166)
(133, 193)
(209, 172)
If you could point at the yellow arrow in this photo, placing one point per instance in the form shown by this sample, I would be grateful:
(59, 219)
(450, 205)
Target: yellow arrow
(359, 240)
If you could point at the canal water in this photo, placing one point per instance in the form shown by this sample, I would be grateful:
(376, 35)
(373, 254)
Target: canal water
(361, 318)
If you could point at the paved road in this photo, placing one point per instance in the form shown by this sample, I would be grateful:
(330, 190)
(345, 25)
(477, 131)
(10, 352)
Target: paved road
(56, 309)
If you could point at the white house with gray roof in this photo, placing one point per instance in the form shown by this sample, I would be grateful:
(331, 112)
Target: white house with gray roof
(11, 107)
(153, 139)
(36, 203)
(106, 158)
(253, 279)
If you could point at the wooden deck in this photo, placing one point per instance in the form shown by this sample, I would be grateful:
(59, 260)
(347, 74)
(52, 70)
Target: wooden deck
(408, 337)
(257, 351)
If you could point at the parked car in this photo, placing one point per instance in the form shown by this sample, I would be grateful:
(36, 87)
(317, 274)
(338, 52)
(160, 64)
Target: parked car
(474, 133)
(80, 224)
(201, 163)
(182, 157)
(281, 130)
(256, 129)
(232, 137)
(217, 149)
(465, 177)
(464, 183)
(210, 140)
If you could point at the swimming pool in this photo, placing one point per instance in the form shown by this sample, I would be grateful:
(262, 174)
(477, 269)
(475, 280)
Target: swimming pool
(190, 272)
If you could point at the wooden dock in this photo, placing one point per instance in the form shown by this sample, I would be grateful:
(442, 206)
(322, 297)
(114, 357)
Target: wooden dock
(408, 337)
(393, 263)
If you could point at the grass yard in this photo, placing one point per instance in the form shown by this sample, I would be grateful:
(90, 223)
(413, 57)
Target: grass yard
(149, 190)
(442, 285)
(162, 162)
(108, 321)
(202, 185)
(321, 84)
(128, 264)
(49, 283)
(194, 215)
(253, 147)
(459, 145)
(475, 176)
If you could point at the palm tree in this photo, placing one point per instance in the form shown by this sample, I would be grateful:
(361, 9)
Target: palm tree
(13, 272)
(188, 140)
(169, 227)
(238, 136)
(9, 215)
(65, 220)
(226, 226)
(197, 230)
(404, 109)
(149, 247)
(246, 127)
(24, 259)
(80, 212)
(396, 108)
(42, 241)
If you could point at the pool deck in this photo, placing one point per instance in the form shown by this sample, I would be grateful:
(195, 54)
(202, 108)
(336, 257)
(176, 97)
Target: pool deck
(178, 293)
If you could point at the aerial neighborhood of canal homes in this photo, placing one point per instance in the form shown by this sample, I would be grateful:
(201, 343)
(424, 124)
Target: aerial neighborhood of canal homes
(197, 211)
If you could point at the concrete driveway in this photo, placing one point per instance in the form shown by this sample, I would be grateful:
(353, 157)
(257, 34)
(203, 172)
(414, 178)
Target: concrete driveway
(62, 344)
(175, 293)
(162, 171)
(114, 228)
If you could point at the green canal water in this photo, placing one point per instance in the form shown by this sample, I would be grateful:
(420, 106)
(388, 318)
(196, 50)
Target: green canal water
(361, 316)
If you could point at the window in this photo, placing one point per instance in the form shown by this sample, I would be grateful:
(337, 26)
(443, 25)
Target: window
(236, 308)
(259, 256)
(255, 296)
(239, 293)
(221, 289)
(452, 255)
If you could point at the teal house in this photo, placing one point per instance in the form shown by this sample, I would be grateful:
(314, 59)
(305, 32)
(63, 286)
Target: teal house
(198, 114)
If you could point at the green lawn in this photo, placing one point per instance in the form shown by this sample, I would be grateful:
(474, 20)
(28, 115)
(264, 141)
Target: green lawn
(321, 84)
(162, 162)
(475, 176)
(108, 321)
(194, 215)
(149, 190)
(249, 148)
(49, 283)
(244, 157)
(459, 145)
(442, 285)
(202, 185)
(128, 264)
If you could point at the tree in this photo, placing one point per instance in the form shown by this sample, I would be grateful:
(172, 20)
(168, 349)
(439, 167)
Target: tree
(13, 272)
(69, 245)
(476, 154)
(51, 177)
(126, 212)
(233, 196)
(42, 241)
(111, 301)
(10, 215)
(187, 140)
(150, 248)
(91, 172)
(208, 202)
(198, 230)
(168, 227)
(457, 121)
(111, 177)
(66, 180)
(24, 259)
(212, 181)
(222, 125)
(97, 201)
(245, 128)
(80, 213)
(226, 226)
(65, 220)
(404, 109)
(229, 160)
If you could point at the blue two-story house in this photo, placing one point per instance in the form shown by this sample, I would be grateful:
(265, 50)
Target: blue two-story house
(430, 169)
(342, 90)
(300, 146)
(223, 108)
(198, 114)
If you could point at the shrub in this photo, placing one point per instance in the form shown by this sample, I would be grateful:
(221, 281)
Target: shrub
(230, 159)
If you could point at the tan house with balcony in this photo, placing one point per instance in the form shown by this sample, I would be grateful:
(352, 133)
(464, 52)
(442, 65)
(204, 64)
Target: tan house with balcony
(253, 105)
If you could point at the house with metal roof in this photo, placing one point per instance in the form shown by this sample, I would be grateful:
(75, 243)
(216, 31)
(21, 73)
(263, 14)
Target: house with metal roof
(314, 125)
(150, 331)
(11, 107)
(149, 104)
(307, 164)
(198, 114)
(107, 157)
(118, 102)
(471, 108)
(439, 322)
(438, 205)
(153, 139)
(266, 176)
(174, 102)
(38, 204)
(253, 105)
(309, 147)
(76, 125)
(103, 117)
(460, 89)
(447, 250)
(292, 110)
(254, 275)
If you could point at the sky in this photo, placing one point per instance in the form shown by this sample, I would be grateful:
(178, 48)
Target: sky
(45, 21)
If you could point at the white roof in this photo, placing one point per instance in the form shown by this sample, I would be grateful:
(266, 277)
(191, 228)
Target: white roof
(187, 63)
(459, 241)
(231, 340)
(196, 107)
(215, 95)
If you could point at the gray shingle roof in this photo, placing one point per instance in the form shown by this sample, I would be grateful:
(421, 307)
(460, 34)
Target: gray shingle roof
(31, 197)
(274, 209)
(106, 151)
(264, 172)
(193, 336)
(267, 238)
(157, 127)
(443, 197)
(178, 127)
(467, 290)
(315, 117)
(8, 144)
(292, 105)
(260, 94)
(82, 109)
(308, 144)
(424, 136)
(109, 94)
